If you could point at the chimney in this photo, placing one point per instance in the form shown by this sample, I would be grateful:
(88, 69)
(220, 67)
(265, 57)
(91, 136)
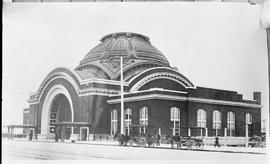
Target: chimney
(240, 97)
(257, 97)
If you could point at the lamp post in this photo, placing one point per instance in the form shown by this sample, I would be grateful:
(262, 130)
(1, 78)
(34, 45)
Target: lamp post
(122, 97)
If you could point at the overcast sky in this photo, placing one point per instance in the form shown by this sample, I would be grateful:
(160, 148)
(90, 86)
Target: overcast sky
(213, 45)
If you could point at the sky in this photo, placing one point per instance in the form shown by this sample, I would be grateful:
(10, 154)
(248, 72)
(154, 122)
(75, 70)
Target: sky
(213, 45)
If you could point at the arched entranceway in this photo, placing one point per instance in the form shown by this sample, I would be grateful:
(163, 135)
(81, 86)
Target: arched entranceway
(57, 107)
(60, 111)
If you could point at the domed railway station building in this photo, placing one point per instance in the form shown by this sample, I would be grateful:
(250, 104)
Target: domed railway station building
(83, 103)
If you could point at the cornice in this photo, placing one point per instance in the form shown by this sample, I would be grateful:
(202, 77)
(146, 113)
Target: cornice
(97, 91)
(183, 98)
(102, 81)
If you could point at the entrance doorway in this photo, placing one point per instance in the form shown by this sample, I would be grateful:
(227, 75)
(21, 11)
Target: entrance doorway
(60, 111)
(67, 133)
(83, 133)
(63, 132)
(250, 134)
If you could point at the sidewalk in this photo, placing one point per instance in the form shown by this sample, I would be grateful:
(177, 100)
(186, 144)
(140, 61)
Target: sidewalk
(225, 149)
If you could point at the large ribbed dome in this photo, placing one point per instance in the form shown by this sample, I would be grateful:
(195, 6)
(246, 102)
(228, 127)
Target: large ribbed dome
(135, 48)
(125, 44)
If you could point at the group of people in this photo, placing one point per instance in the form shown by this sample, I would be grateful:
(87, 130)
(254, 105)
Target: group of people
(155, 139)
(31, 134)
(150, 139)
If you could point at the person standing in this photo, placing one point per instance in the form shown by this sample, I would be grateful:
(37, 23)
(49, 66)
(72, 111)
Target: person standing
(31, 135)
(158, 140)
(56, 137)
(217, 142)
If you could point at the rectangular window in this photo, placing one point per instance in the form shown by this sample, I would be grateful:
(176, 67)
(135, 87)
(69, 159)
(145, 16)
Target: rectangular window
(143, 119)
(216, 120)
(175, 127)
(127, 120)
(217, 125)
(201, 118)
(175, 120)
(113, 122)
(201, 124)
(231, 129)
(230, 124)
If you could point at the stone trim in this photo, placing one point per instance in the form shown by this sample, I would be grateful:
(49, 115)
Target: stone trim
(149, 97)
(97, 91)
(63, 75)
(35, 98)
(161, 75)
(149, 90)
(168, 68)
(102, 81)
(48, 80)
(183, 98)
(222, 102)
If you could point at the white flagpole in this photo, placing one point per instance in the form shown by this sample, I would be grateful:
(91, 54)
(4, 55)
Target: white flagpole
(122, 98)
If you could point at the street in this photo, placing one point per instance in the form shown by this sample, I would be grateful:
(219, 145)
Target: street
(18, 149)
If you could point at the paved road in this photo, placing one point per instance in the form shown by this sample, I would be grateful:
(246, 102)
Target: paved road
(12, 149)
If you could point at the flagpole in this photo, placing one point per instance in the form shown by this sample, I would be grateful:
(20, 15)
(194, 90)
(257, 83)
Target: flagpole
(122, 97)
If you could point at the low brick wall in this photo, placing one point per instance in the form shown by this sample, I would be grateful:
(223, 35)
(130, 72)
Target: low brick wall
(44, 137)
(223, 141)
(101, 137)
(226, 141)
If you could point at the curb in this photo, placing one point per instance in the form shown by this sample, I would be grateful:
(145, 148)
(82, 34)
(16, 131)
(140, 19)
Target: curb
(174, 149)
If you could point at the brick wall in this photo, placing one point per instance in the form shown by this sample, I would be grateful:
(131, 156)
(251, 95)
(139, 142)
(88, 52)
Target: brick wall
(158, 113)
(159, 116)
(240, 117)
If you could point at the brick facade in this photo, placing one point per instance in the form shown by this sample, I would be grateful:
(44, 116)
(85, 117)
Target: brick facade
(159, 116)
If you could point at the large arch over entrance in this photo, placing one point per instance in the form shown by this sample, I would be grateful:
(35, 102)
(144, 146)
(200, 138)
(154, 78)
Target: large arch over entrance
(57, 97)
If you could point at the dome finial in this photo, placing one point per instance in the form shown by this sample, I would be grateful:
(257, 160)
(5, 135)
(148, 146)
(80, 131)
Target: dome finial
(125, 34)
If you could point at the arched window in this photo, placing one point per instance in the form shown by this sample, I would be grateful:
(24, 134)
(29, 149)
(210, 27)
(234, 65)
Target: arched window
(127, 120)
(113, 122)
(231, 123)
(143, 119)
(201, 118)
(216, 121)
(175, 120)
